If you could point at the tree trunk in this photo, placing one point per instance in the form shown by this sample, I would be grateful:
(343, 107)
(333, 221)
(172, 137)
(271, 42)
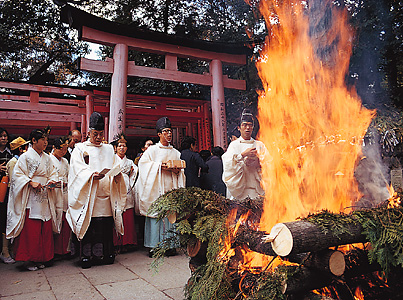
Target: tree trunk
(302, 236)
(306, 280)
(328, 261)
(253, 239)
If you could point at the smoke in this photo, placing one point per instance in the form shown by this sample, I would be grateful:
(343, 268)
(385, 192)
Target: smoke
(366, 72)
(373, 177)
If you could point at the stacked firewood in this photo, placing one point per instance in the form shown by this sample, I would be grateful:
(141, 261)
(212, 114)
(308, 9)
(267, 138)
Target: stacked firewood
(315, 248)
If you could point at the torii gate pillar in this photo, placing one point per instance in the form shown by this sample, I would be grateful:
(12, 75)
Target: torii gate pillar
(117, 109)
(218, 105)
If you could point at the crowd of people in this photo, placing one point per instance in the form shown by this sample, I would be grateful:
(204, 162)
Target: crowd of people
(88, 199)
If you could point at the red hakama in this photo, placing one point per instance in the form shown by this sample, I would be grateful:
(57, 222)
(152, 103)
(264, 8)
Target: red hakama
(130, 236)
(35, 242)
(63, 238)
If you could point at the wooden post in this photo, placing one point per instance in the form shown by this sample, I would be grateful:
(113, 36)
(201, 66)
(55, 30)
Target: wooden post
(84, 129)
(117, 108)
(89, 109)
(171, 62)
(207, 126)
(34, 99)
(199, 137)
(218, 105)
(106, 129)
(189, 129)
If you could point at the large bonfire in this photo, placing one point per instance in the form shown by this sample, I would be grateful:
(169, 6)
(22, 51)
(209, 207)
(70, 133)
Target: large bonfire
(311, 123)
(313, 126)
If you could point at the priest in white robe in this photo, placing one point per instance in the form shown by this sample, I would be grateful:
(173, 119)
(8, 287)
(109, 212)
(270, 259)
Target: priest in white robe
(33, 208)
(96, 196)
(242, 163)
(155, 179)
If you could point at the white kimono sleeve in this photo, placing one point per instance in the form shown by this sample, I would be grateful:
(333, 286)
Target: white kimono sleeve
(81, 193)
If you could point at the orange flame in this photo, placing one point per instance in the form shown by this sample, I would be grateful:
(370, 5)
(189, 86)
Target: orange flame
(394, 200)
(358, 295)
(248, 260)
(311, 123)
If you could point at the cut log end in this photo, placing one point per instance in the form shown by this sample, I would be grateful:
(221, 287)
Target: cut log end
(193, 248)
(283, 242)
(171, 217)
(337, 263)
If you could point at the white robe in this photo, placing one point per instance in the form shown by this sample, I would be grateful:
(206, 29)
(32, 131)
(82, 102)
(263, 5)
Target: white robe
(93, 198)
(43, 205)
(62, 169)
(129, 171)
(243, 177)
(153, 181)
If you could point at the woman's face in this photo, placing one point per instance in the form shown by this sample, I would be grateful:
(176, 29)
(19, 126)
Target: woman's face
(3, 139)
(121, 149)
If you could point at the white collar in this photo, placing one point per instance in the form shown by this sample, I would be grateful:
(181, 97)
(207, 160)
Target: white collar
(164, 147)
(251, 141)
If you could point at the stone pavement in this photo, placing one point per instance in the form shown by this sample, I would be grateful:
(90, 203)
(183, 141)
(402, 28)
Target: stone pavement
(130, 277)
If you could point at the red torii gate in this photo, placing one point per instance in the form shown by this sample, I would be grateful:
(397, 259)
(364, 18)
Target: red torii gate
(123, 37)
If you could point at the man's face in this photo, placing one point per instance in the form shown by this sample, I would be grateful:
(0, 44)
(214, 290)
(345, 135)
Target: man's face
(3, 138)
(96, 136)
(75, 138)
(246, 129)
(165, 135)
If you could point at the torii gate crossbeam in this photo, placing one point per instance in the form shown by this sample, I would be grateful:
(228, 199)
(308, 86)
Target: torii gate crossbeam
(123, 38)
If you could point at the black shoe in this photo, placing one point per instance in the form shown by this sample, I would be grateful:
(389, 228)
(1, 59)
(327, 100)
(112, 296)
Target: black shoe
(109, 260)
(170, 252)
(151, 253)
(86, 263)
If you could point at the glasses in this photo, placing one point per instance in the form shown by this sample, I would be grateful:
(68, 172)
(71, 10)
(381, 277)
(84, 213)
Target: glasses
(247, 125)
(167, 131)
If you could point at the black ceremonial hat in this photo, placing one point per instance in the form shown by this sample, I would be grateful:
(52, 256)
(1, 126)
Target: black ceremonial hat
(163, 123)
(96, 121)
(247, 116)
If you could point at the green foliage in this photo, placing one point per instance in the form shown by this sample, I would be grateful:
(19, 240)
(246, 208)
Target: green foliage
(269, 285)
(382, 226)
(383, 229)
(187, 201)
(202, 215)
(327, 221)
(210, 281)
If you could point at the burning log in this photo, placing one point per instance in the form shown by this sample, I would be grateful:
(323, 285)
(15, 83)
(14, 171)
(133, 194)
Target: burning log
(357, 264)
(305, 279)
(317, 270)
(327, 261)
(197, 252)
(254, 240)
(302, 236)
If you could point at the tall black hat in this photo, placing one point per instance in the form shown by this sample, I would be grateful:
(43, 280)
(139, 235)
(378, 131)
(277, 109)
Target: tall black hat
(247, 116)
(96, 121)
(163, 123)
